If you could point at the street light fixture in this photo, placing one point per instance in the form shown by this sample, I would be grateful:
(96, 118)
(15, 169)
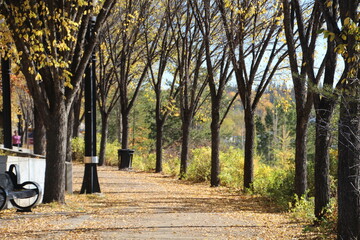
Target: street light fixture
(90, 181)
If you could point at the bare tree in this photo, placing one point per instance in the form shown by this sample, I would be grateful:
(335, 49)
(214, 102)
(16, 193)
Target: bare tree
(108, 90)
(130, 56)
(252, 31)
(160, 47)
(189, 60)
(324, 98)
(308, 33)
(219, 72)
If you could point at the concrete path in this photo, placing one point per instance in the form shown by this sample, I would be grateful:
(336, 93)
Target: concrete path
(135, 205)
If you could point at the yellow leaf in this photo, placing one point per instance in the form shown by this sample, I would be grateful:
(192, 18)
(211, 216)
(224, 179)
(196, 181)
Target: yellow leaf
(38, 77)
(347, 21)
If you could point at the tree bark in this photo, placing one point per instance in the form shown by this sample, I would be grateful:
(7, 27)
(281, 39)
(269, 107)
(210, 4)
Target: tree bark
(119, 123)
(70, 124)
(185, 145)
(104, 135)
(55, 157)
(76, 111)
(159, 145)
(324, 108)
(215, 142)
(39, 134)
(349, 128)
(322, 164)
(249, 148)
(300, 155)
(159, 130)
(349, 170)
(125, 131)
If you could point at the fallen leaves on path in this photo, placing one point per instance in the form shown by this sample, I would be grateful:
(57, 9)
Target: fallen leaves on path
(137, 205)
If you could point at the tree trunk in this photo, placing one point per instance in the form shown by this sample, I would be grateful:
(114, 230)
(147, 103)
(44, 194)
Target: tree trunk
(324, 108)
(159, 143)
(159, 131)
(76, 111)
(215, 143)
(322, 144)
(249, 148)
(55, 158)
(185, 145)
(39, 134)
(104, 134)
(349, 170)
(300, 155)
(125, 131)
(119, 124)
(69, 136)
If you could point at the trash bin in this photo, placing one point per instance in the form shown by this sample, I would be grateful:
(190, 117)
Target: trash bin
(125, 158)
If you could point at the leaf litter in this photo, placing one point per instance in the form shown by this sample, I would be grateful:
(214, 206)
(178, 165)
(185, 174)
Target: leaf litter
(139, 205)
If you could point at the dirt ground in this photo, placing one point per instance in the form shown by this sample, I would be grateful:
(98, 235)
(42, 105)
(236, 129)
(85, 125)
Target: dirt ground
(138, 205)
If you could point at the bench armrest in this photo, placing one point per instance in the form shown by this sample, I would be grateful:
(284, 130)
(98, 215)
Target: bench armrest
(3, 198)
(27, 189)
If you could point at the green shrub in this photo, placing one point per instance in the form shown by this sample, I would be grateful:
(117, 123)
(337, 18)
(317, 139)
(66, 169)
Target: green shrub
(232, 167)
(275, 183)
(111, 153)
(231, 164)
(329, 222)
(145, 162)
(171, 165)
(200, 165)
(78, 149)
(303, 208)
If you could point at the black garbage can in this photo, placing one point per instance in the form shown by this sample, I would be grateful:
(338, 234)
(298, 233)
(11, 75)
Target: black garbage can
(125, 158)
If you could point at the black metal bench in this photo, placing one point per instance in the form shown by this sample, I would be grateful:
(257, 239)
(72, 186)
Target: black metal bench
(22, 196)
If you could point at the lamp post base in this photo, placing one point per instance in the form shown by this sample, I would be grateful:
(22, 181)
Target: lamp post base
(90, 181)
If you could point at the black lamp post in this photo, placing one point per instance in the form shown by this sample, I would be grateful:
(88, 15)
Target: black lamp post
(5, 69)
(90, 181)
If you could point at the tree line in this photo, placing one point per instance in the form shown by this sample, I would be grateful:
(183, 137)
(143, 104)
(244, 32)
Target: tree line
(193, 49)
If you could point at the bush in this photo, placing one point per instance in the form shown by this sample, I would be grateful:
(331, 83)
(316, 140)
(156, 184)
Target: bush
(231, 164)
(200, 165)
(145, 162)
(78, 149)
(171, 164)
(275, 183)
(111, 153)
(232, 168)
(329, 222)
(303, 209)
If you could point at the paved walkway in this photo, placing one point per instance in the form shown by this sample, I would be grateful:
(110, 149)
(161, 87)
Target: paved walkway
(136, 205)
